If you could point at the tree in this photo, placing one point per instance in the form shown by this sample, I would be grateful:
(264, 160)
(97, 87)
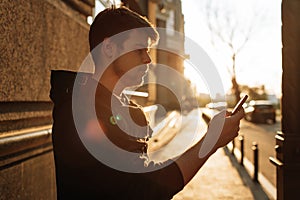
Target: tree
(230, 30)
(255, 93)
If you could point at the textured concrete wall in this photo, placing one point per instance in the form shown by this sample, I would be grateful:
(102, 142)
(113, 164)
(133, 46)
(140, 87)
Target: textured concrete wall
(31, 179)
(36, 36)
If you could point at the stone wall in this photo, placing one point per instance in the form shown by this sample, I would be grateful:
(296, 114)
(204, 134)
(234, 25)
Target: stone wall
(36, 36)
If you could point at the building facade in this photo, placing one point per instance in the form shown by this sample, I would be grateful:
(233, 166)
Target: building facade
(36, 37)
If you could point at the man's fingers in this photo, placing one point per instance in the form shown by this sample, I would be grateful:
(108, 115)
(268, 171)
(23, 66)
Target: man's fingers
(239, 115)
(228, 113)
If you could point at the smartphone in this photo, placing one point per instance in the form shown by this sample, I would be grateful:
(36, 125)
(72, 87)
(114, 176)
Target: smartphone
(239, 105)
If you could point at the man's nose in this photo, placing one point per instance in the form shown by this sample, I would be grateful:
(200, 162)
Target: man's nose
(146, 58)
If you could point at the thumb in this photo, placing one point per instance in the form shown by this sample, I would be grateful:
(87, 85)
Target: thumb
(228, 113)
(239, 115)
(222, 114)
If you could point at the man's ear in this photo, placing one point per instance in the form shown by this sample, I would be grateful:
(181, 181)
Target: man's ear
(108, 47)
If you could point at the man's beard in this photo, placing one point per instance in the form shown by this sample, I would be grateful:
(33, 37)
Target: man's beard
(133, 78)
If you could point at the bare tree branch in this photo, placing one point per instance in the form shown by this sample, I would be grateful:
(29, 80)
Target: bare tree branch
(229, 31)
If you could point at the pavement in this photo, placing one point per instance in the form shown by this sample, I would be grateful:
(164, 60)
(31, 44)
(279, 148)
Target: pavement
(221, 177)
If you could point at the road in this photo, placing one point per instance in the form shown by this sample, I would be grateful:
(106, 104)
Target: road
(264, 136)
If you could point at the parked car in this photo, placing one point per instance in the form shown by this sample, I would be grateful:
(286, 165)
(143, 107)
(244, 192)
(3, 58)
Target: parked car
(260, 111)
(217, 105)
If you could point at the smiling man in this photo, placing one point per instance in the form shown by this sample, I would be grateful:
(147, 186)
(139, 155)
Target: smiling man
(100, 137)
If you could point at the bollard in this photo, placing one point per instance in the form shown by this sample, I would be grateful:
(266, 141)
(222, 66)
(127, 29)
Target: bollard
(241, 138)
(233, 146)
(255, 157)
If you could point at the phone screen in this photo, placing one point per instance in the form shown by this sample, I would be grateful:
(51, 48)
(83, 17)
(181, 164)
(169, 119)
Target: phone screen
(239, 105)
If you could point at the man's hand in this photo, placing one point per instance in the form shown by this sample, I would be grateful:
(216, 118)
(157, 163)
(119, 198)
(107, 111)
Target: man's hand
(227, 124)
(222, 129)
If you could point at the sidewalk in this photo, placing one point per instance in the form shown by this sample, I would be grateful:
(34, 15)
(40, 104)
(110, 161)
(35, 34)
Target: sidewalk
(220, 178)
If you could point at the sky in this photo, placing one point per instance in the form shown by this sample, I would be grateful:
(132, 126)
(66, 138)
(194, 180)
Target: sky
(259, 62)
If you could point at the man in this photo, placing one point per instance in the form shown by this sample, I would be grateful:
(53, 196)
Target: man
(100, 137)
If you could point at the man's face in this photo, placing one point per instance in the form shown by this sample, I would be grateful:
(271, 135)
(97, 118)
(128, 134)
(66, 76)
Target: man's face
(132, 66)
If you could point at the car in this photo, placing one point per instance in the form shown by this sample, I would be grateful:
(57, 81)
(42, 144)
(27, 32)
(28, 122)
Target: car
(260, 111)
(217, 105)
